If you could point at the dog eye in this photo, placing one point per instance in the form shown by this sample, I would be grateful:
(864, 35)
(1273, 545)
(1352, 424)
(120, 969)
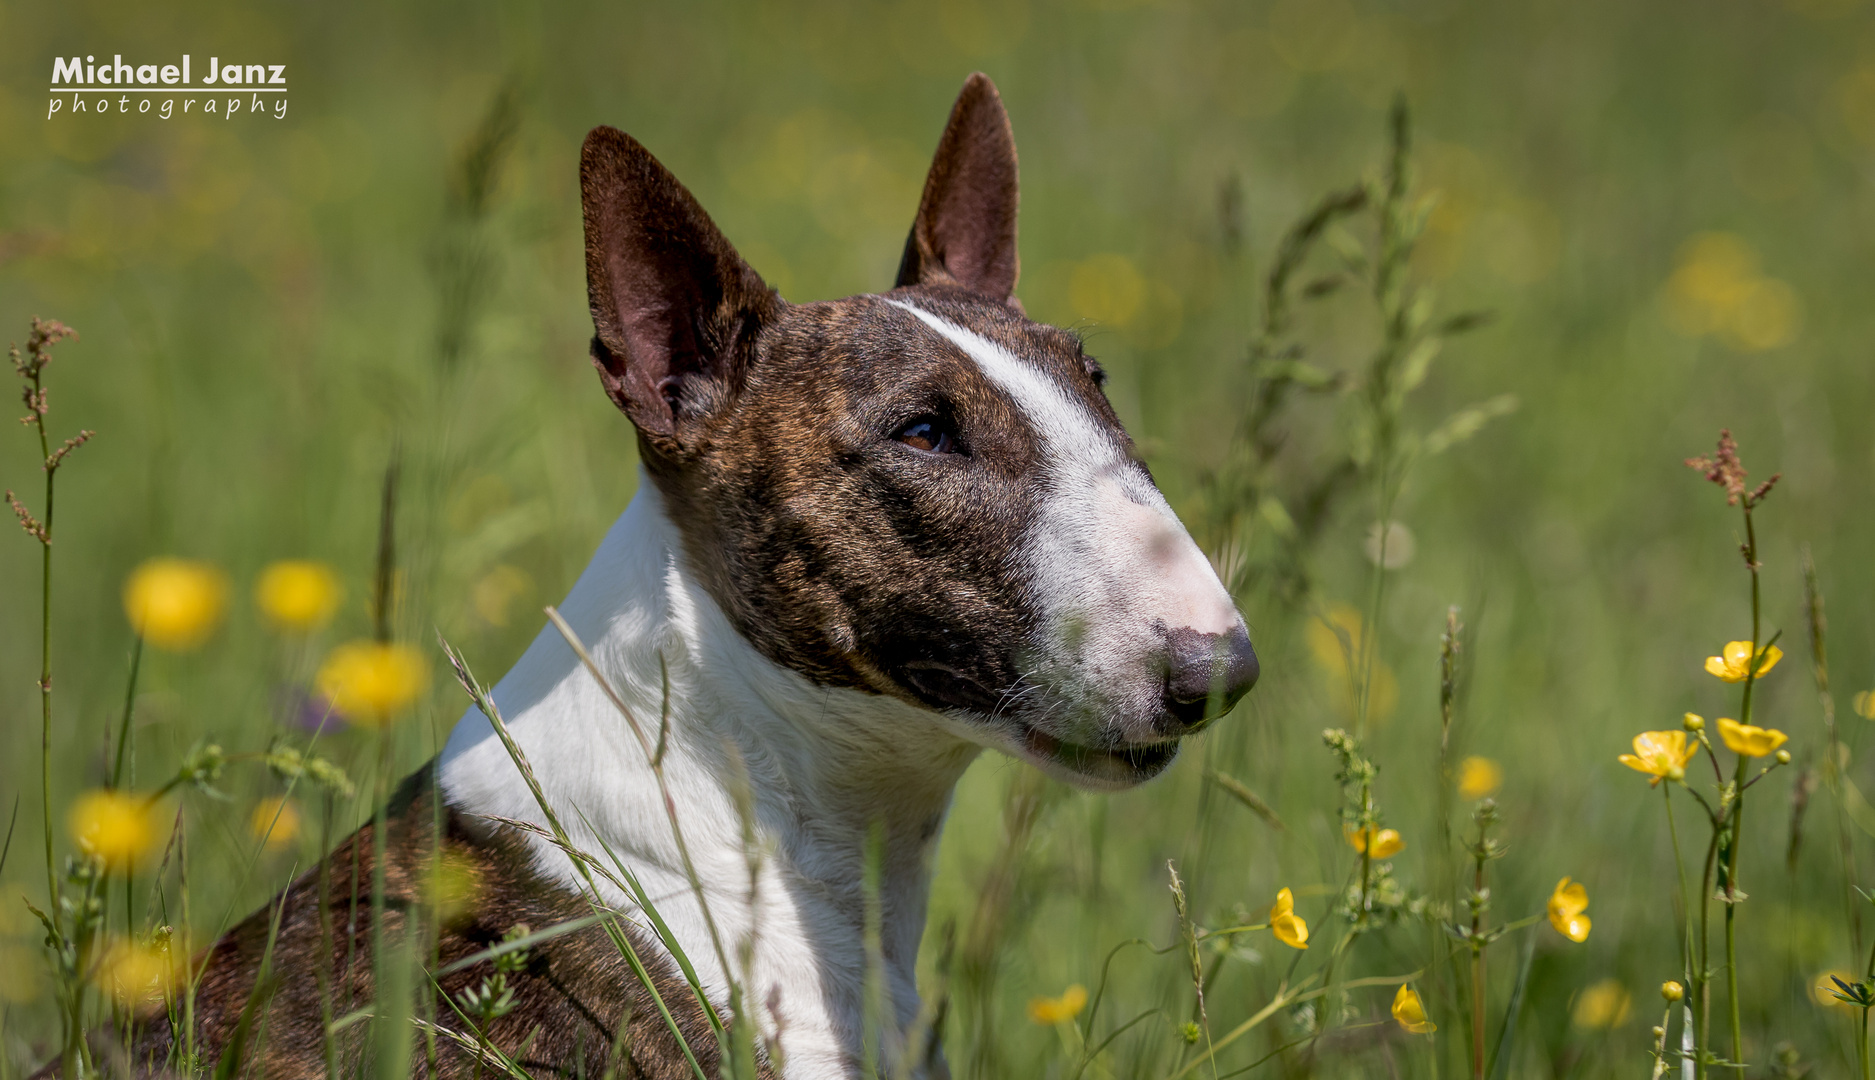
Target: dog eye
(930, 434)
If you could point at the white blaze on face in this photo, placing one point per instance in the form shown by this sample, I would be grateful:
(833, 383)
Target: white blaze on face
(1115, 566)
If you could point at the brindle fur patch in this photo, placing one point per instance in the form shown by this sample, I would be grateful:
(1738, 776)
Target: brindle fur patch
(572, 1002)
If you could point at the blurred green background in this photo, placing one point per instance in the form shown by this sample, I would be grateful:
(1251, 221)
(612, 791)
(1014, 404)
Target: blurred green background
(1667, 206)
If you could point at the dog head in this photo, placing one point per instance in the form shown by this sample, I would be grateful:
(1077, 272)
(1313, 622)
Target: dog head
(921, 493)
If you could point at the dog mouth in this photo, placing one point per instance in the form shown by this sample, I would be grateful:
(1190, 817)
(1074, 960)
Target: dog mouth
(944, 686)
(1120, 766)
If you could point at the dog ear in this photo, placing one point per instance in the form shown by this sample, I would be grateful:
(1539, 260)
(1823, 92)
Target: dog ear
(676, 310)
(965, 233)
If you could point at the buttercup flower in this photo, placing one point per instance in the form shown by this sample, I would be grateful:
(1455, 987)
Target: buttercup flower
(1566, 907)
(116, 826)
(1604, 1005)
(1411, 1012)
(452, 889)
(175, 604)
(1478, 777)
(1661, 754)
(1823, 987)
(1375, 843)
(1750, 739)
(140, 974)
(298, 595)
(1864, 703)
(368, 683)
(1286, 924)
(1735, 662)
(1048, 1011)
(1672, 990)
(275, 822)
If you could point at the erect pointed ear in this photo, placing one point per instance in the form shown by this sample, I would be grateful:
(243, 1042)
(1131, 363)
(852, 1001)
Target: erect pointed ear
(965, 233)
(676, 310)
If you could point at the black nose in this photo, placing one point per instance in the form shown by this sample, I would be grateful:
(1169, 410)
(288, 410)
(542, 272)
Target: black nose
(1207, 673)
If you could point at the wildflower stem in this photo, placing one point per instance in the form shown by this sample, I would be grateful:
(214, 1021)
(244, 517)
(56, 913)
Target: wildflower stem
(1733, 896)
(1702, 974)
(1732, 899)
(1679, 877)
(1477, 963)
(45, 656)
(1861, 1044)
(1832, 765)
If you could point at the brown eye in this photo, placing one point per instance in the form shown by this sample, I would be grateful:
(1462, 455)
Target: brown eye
(930, 434)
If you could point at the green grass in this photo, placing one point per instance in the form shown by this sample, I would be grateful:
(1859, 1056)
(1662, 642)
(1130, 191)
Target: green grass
(262, 307)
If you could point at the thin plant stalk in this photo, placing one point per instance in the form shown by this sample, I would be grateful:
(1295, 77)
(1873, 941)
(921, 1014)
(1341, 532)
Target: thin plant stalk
(1732, 893)
(1819, 668)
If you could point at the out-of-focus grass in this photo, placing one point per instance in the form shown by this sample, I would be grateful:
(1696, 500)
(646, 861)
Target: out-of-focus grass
(260, 304)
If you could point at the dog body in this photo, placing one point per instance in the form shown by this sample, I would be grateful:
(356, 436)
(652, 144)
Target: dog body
(873, 536)
(823, 766)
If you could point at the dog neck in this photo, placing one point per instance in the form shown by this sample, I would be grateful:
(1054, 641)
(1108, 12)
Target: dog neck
(822, 769)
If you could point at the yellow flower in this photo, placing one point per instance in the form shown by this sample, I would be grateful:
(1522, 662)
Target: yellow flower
(1864, 703)
(1604, 1005)
(1411, 1012)
(368, 683)
(1750, 739)
(453, 888)
(139, 974)
(1672, 990)
(1048, 1011)
(1735, 662)
(1822, 988)
(1566, 907)
(1334, 638)
(1478, 777)
(1286, 924)
(1375, 843)
(298, 594)
(175, 604)
(1662, 754)
(275, 822)
(116, 826)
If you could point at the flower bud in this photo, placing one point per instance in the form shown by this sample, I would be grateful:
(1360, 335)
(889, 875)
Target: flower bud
(1672, 991)
(1783, 757)
(1694, 722)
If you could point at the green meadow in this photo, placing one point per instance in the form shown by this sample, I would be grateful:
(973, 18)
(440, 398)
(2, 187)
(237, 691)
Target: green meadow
(1615, 230)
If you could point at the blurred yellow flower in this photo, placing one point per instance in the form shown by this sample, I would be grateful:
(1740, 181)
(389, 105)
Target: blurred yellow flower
(1750, 739)
(1823, 987)
(275, 822)
(175, 604)
(139, 974)
(1334, 638)
(1048, 1011)
(1718, 289)
(1375, 843)
(369, 683)
(1661, 754)
(1478, 777)
(1604, 1005)
(1735, 661)
(298, 594)
(452, 888)
(1566, 907)
(1864, 703)
(1411, 1012)
(116, 826)
(1286, 924)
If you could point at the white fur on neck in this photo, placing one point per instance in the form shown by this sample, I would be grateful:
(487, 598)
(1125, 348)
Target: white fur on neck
(824, 765)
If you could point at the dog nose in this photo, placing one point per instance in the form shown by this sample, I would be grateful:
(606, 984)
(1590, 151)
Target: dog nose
(1206, 667)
